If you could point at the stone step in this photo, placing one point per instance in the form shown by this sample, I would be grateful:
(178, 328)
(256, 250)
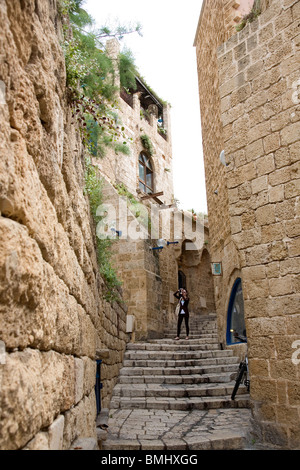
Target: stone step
(174, 375)
(194, 322)
(198, 323)
(201, 364)
(194, 334)
(176, 394)
(190, 378)
(171, 355)
(198, 320)
(194, 330)
(176, 390)
(187, 403)
(212, 365)
(198, 354)
(166, 355)
(171, 345)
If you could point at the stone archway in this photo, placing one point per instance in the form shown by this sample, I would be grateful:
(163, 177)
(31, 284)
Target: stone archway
(196, 266)
(181, 279)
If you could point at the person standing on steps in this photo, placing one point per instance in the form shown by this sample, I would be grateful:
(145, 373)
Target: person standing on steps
(183, 313)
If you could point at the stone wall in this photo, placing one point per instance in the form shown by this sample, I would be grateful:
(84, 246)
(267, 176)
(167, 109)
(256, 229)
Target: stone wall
(259, 76)
(210, 34)
(250, 108)
(53, 316)
(137, 266)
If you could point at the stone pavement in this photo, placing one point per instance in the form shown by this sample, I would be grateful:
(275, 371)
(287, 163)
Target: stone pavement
(152, 429)
(177, 395)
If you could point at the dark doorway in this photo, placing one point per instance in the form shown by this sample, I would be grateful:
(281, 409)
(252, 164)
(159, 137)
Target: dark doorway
(181, 280)
(236, 330)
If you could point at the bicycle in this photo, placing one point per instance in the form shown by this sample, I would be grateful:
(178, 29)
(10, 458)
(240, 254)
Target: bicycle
(242, 375)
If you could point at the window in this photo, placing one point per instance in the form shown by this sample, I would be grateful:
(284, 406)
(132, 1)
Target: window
(236, 330)
(145, 174)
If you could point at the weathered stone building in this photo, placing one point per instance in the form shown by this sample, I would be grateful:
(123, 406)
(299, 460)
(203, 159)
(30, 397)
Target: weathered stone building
(249, 99)
(145, 176)
(150, 277)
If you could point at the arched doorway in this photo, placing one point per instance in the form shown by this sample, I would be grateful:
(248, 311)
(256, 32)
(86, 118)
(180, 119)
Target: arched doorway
(181, 280)
(194, 274)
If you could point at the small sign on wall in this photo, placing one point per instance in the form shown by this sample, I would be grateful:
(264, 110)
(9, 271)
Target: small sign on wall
(216, 269)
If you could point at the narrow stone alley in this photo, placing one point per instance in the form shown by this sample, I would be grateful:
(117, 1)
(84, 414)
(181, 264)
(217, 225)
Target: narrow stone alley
(96, 239)
(177, 395)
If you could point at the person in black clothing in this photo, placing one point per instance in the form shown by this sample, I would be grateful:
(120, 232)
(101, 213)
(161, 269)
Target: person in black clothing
(183, 313)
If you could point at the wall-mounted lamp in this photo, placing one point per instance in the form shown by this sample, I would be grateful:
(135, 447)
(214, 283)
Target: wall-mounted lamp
(223, 159)
(161, 244)
(117, 232)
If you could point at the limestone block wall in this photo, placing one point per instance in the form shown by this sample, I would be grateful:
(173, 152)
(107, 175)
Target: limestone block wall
(138, 267)
(53, 318)
(210, 34)
(259, 80)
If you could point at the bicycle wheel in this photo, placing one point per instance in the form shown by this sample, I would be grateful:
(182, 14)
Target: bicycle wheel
(239, 378)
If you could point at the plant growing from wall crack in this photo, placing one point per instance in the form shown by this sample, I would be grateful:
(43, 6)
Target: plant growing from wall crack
(147, 144)
(250, 17)
(93, 189)
(137, 209)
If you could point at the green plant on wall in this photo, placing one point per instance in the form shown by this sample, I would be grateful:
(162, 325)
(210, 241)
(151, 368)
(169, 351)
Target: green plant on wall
(136, 208)
(97, 141)
(162, 130)
(91, 79)
(147, 144)
(93, 189)
(127, 70)
(250, 17)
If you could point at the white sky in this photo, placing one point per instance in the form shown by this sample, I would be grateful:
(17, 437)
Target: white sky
(166, 58)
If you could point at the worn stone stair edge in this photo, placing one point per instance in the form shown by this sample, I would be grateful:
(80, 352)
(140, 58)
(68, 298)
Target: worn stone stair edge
(180, 404)
(169, 355)
(221, 378)
(202, 368)
(191, 391)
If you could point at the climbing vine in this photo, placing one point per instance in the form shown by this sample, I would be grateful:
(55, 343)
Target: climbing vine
(93, 188)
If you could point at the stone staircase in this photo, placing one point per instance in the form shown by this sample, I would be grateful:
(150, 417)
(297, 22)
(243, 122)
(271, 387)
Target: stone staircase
(185, 376)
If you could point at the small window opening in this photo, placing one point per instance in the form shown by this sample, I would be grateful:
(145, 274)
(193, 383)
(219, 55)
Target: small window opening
(145, 174)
